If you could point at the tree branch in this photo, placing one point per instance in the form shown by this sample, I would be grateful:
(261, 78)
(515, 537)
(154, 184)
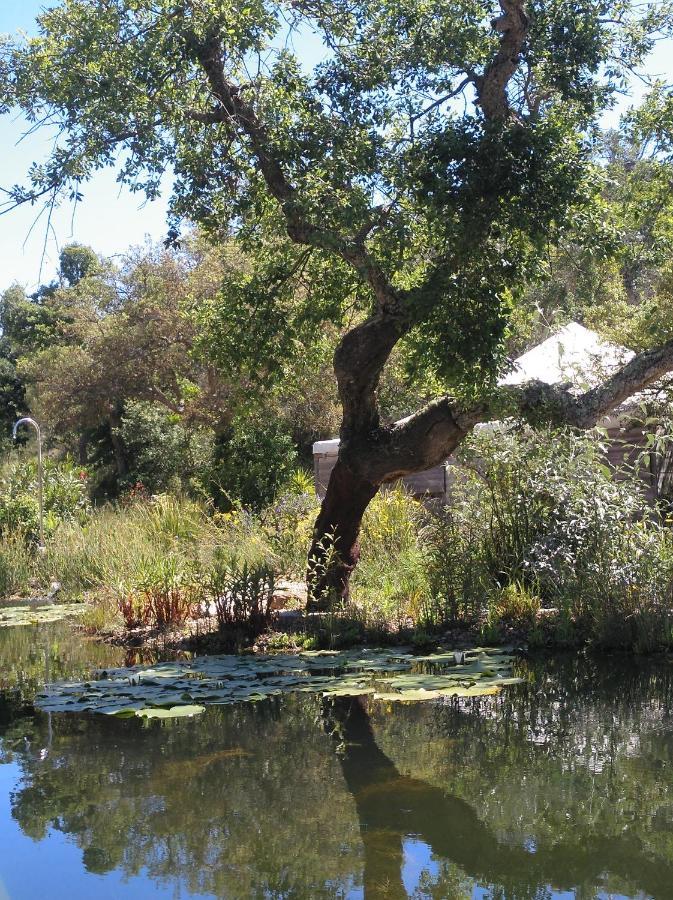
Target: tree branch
(427, 438)
(235, 109)
(492, 85)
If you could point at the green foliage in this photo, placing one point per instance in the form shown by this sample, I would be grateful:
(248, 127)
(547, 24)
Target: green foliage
(16, 565)
(12, 395)
(470, 204)
(290, 640)
(390, 586)
(161, 452)
(612, 269)
(513, 605)
(65, 496)
(288, 524)
(540, 518)
(251, 463)
(117, 544)
(76, 261)
(241, 595)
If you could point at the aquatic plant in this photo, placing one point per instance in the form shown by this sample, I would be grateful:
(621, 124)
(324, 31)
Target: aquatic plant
(241, 596)
(385, 674)
(33, 614)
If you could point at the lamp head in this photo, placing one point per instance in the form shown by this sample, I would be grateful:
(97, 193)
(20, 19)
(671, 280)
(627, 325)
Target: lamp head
(25, 421)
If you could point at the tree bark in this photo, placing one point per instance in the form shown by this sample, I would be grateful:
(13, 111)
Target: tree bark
(335, 549)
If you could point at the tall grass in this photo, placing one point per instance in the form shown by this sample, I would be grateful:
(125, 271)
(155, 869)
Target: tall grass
(390, 586)
(537, 521)
(140, 562)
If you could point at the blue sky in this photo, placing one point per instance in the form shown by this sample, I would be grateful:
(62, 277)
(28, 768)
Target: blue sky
(110, 219)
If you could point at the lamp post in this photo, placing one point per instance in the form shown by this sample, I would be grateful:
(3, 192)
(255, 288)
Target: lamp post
(40, 500)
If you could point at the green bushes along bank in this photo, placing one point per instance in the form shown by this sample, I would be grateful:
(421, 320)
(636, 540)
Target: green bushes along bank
(539, 538)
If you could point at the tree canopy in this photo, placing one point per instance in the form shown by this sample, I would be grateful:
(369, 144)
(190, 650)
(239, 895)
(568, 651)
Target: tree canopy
(432, 152)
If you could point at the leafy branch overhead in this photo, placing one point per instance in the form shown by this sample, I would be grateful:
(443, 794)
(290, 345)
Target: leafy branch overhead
(426, 131)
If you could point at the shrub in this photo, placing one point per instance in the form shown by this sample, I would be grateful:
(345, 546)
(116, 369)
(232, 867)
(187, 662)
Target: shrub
(166, 593)
(539, 518)
(390, 585)
(163, 592)
(241, 596)
(65, 496)
(513, 605)
(251, 464)
(15, 565)
(288, 523)
(161, 451)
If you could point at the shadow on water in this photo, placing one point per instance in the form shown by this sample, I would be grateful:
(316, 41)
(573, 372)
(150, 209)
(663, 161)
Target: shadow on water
(560, 787)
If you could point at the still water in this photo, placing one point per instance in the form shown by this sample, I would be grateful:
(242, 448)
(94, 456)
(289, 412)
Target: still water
(561, 787)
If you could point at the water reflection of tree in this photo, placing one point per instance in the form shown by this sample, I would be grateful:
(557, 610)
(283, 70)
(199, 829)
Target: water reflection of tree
(244, 801)
(564, 782)
(33, 655)
(392, 805)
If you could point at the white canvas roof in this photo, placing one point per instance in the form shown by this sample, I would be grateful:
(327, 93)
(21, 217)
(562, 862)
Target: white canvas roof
(574, 355)
(328, 447)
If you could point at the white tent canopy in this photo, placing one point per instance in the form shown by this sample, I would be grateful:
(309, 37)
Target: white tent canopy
(575, 355)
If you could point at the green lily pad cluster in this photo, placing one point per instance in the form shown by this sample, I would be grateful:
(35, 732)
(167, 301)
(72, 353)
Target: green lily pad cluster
(33, 614)
(186, 687)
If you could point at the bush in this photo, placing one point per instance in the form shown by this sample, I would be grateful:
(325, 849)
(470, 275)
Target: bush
(288, 523)
(242, 596)
(162, 453)
(538, 517)
(65, 496)
(15, 565)
(251, 464)
(116, 544)
(513, 605)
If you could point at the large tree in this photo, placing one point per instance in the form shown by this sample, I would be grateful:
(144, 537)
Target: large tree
(410, 181)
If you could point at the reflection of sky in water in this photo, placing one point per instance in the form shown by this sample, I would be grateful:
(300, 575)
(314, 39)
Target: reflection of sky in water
(417, 858)
(253, 801)
(52, 868)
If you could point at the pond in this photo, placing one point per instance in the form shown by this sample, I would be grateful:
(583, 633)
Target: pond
(559, 787)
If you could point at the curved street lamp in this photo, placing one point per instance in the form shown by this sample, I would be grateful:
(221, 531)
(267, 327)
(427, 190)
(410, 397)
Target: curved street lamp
(40, 500)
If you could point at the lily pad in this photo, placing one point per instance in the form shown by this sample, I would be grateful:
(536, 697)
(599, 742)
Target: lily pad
(37, 614)
(172, 712)
(386, 674)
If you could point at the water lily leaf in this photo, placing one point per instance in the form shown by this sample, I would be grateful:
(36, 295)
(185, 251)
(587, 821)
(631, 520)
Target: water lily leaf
(37, 614)
(348, 689)
(475, 690)
(408, 696)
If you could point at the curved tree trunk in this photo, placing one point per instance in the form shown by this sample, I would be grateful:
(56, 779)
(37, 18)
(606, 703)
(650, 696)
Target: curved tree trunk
(372, 455)
(335, 549)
